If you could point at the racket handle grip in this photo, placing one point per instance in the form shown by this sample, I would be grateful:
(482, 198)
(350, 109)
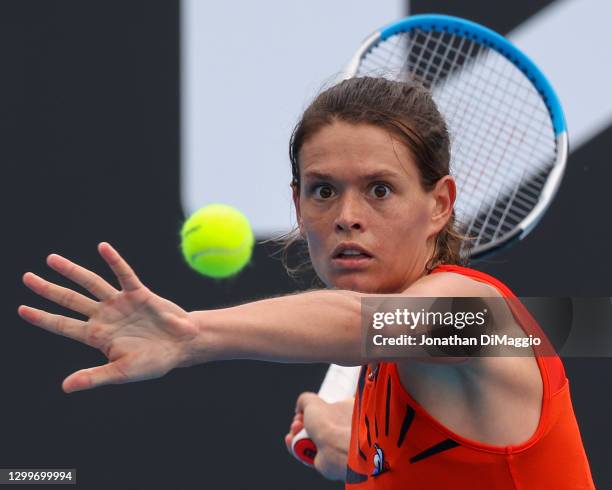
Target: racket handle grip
(303, 448)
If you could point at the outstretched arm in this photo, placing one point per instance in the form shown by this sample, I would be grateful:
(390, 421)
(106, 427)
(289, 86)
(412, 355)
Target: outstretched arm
(144, 335)
(314, 326)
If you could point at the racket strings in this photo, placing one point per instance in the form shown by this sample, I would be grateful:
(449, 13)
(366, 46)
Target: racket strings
(503, 142)
(535, 110)
(495, 115)
(491, 87)
(497, 217)
(497, 135)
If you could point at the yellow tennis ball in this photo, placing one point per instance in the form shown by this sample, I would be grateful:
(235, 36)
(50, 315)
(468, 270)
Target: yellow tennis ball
(217, 241)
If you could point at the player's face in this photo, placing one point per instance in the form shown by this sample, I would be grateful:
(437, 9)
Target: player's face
(360, 187)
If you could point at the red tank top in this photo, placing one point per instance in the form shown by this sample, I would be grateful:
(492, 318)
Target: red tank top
(396, 444)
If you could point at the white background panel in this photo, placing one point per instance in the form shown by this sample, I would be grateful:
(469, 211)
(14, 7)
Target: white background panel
(571, 42)
(248, 69)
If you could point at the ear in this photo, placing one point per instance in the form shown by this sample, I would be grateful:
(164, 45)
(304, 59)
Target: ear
(296, 202)
(444, 194)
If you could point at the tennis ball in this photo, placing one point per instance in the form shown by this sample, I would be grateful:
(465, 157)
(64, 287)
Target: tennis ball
(217, 241)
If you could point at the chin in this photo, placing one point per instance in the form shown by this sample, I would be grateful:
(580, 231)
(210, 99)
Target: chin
(357, 281)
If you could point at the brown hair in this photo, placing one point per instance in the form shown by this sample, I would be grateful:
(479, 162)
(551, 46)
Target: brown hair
(406, 110)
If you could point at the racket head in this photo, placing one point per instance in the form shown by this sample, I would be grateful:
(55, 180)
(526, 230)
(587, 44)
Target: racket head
(509, 142)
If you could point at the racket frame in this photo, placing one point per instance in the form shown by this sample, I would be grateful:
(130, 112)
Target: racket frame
(490, 39)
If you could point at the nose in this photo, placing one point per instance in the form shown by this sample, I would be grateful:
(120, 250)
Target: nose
(350, 214)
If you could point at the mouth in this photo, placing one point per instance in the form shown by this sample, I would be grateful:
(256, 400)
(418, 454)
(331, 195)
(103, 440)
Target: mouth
(351, 255)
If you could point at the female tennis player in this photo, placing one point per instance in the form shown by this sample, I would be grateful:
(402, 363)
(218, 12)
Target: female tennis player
(374, 202)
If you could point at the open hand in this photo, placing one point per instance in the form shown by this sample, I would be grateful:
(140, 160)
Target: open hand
(142, 335)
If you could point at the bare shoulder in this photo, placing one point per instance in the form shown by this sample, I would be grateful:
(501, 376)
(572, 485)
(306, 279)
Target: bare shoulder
(451, 284)
(497, 387)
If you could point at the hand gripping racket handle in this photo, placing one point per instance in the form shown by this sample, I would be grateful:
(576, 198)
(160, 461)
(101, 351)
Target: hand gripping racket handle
(339, 383)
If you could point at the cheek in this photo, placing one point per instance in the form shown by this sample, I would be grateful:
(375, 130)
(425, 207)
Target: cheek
(408, 223)
(315, 228)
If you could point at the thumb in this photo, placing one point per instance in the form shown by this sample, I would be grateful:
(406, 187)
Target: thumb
(86, 379)
(306, 399)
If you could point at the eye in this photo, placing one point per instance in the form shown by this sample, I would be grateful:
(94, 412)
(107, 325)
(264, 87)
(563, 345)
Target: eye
(322, 191)
(380, 190)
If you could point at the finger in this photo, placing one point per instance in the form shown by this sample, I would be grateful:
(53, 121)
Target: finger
(288, 441)
(304, 400)
(60, 295)
(296, 427)
(126, 276)
(86, 379)
(62, 325)
(83, 277)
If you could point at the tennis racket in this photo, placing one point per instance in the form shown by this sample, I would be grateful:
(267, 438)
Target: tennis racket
(509, 141)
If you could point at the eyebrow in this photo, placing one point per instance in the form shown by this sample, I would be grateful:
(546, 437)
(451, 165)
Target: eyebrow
(313, 174)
